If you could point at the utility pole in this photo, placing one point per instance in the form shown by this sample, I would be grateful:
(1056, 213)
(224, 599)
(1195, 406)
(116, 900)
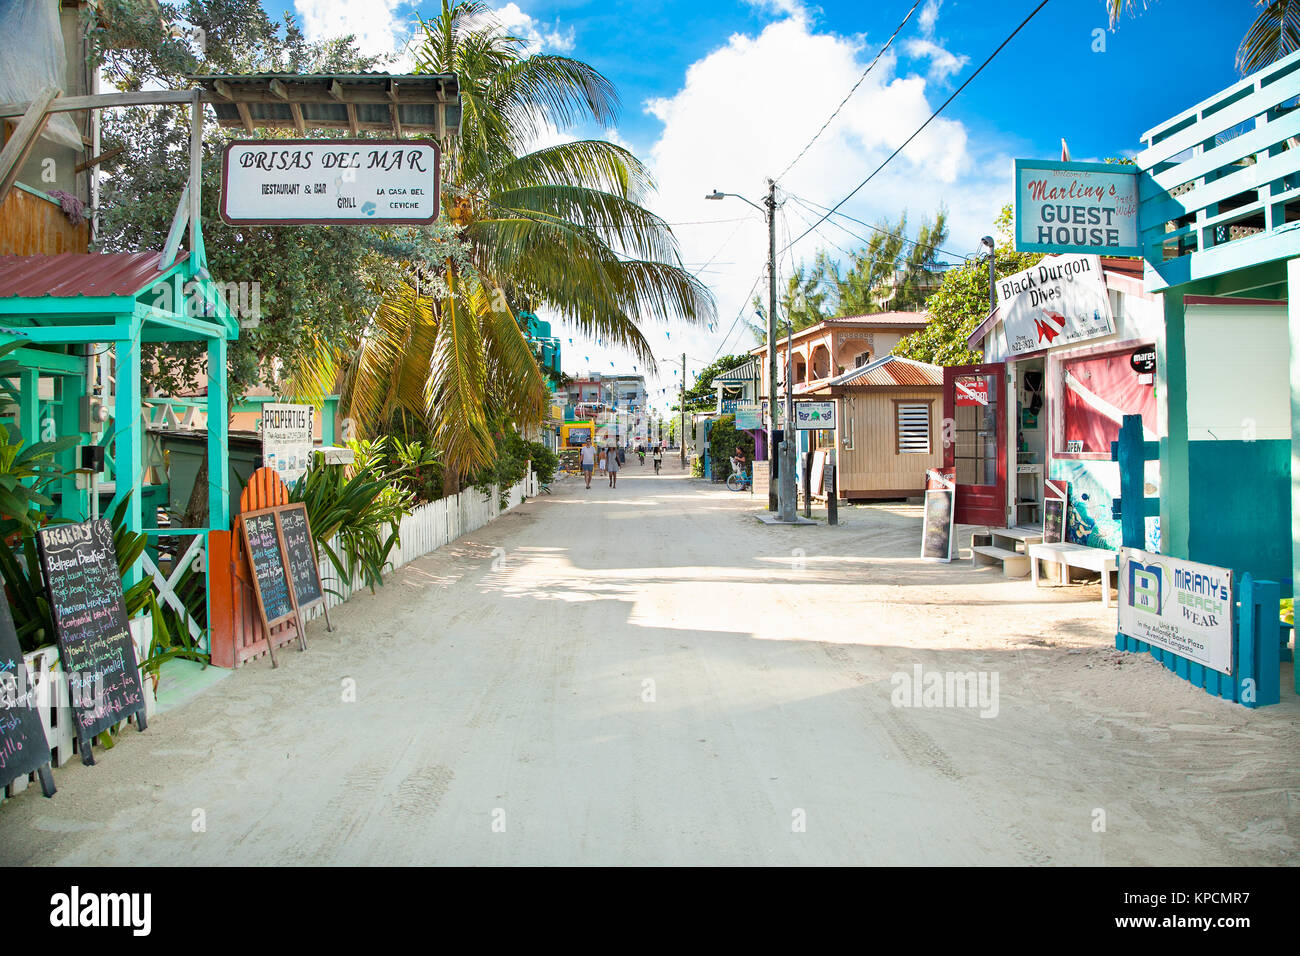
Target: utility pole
(683, 409)
(789, 490)
(770, 202)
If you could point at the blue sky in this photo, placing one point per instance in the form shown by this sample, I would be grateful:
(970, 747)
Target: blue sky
(725, 94)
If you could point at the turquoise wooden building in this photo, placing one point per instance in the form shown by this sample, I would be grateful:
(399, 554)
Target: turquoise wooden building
(67, 309)
(1219, 218)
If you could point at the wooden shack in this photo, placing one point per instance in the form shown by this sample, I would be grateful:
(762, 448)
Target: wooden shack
(887, 427)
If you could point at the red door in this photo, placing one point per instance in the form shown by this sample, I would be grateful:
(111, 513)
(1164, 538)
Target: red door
(975, 441)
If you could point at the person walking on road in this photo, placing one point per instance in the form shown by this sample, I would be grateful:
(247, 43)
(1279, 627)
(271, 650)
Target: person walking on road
(658, 456)
(622, 457)
(588, 458)
(611, 466)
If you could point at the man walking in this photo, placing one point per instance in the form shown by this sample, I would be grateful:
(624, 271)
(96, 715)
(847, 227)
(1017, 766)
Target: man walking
(588, 454)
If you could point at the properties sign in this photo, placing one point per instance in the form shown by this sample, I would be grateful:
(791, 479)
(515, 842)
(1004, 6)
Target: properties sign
(287, 440)
(1180, 606)
(1060, 301)
(329, 182)
(1076, 207)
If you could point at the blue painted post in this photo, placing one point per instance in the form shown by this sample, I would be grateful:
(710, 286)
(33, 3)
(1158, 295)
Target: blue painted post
(1259, 670)
(128, 455)
(1132, 507)
(71, 388)
(29, 409)
(218, 437)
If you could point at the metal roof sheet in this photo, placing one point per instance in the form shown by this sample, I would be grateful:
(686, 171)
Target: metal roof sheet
(71, 274)
(892, 370)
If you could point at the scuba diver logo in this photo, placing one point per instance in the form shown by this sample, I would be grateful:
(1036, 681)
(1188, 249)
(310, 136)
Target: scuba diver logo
(1146, 587)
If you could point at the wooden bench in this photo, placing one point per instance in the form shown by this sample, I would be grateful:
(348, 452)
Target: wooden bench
(1007, 546)
(1068, 556)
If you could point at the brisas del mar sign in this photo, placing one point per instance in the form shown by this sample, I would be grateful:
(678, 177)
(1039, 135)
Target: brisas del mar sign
(329, 182)
(1076, 208)
(1060, 301)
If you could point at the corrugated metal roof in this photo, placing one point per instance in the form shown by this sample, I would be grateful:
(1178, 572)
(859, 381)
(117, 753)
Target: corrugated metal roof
(73, 274)
(892, 370)
(354, 101)
(881, 318)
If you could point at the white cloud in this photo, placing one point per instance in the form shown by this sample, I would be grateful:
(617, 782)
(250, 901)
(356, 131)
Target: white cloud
(537, 35)
(943, 64)
(929, 15)
(743, 113)
(386, 27)
(381, 27)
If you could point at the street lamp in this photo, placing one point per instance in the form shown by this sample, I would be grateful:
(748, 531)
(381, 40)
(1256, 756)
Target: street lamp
(786, 488)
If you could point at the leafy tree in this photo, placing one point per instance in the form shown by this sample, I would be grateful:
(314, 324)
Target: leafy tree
(561, 227)
(891, 273)
(702, 396)
(961, 303)
(314, 283)
(1274, 34)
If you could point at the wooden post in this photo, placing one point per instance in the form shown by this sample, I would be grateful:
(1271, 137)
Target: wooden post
(1171, 398)
(807, 484)
(23, 139)
(832, 490)
(196, 176)
(127, 440)
(218, 434)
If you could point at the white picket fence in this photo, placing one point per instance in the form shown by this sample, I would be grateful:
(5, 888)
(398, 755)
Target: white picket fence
(429, 527)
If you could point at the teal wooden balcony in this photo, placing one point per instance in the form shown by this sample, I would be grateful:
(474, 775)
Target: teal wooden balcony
(1219, 187)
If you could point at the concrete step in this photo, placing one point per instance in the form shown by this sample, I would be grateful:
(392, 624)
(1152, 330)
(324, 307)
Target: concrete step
(1015, 564)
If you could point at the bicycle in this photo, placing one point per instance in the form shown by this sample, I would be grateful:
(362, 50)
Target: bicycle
(739, 480)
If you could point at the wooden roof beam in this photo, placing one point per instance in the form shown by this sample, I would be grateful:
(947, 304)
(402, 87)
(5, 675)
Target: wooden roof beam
(296, 111)
(394, 109)
(352, 119)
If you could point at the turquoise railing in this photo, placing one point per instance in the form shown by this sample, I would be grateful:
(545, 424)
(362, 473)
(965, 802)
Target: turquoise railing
(1219, 188)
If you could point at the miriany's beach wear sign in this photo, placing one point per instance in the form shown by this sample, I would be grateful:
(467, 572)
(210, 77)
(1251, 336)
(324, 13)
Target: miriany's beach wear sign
(333, 181)
(1076, 207)
(1181, 606)
(1060, 301)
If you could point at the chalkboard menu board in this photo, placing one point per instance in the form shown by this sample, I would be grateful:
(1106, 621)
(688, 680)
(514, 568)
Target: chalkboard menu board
(936, 535)
(89, 612)
(23, 747)
(300, 549)
(265, 557)
(1056, 507)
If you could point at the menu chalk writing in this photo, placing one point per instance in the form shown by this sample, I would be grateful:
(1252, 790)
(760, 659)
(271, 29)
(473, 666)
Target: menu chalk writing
(300, 549)
(89, 612)
(267, 561)
(23, 747)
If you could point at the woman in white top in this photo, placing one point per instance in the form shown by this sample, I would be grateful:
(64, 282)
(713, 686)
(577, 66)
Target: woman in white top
(611, 466)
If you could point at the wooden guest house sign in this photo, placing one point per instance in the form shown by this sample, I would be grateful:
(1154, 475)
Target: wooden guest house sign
(84, 586)
(1066, 207)
(330, 182)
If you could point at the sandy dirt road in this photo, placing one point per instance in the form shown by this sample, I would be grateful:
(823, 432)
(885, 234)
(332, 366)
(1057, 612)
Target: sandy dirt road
(647, 675)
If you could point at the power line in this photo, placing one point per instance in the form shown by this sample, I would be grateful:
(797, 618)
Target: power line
(931, 119)
(814, 208)
(853, 90)
(744, 303)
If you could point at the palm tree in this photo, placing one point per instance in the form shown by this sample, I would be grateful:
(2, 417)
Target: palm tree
(560, 227)
(1274, 34)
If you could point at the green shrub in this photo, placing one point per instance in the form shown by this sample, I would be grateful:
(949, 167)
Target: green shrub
(723, 440)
